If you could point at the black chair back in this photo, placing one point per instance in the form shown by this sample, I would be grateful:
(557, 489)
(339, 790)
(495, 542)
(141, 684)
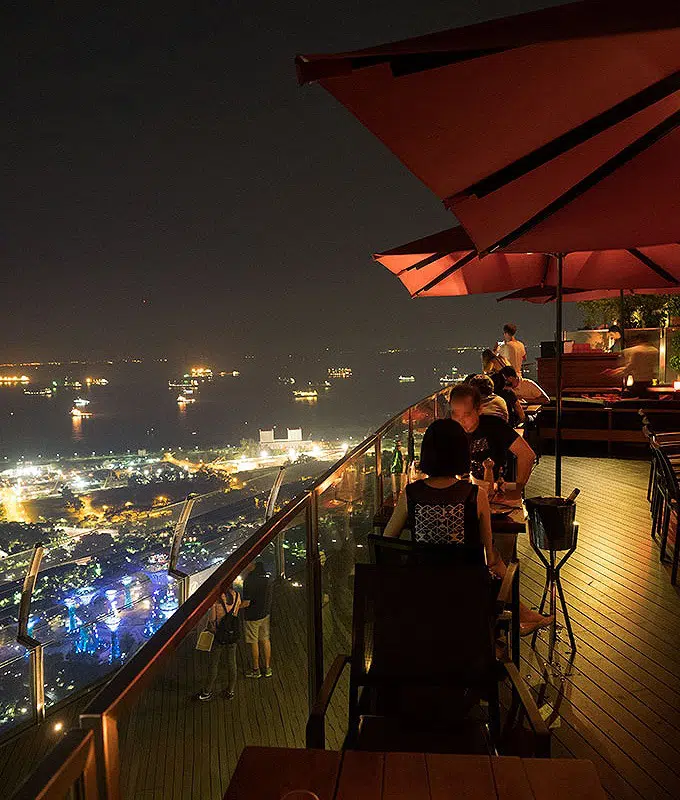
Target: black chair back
(386, 551)
(415, 625)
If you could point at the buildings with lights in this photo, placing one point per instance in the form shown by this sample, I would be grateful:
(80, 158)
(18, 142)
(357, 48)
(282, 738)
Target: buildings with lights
(339, 372)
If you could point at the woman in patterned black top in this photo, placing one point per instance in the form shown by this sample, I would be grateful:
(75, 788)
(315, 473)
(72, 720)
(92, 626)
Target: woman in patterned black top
(442, 508)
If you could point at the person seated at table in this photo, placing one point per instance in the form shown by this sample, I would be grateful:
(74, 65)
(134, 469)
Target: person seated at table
(446, 509)
(614, 339)
(492, 404)
(527, 390)
(516, 414)
(492, 362)
(489, 437)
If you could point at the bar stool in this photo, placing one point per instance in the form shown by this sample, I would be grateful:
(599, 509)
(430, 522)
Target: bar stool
(553, 531)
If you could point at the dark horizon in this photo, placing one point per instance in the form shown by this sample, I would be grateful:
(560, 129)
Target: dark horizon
(171, 191)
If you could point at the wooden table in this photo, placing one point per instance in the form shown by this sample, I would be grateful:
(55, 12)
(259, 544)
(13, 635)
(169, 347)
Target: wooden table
(267, 773)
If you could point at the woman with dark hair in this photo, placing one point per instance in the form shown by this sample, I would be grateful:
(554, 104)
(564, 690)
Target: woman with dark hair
(492, 362)
(443, 508)
(225, 623)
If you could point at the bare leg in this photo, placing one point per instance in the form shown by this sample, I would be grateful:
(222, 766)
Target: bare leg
(254, 655)
(266, 652)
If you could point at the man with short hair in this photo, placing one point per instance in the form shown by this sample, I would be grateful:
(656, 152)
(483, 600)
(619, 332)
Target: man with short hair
(527, 390)
(257, 602)
(511, 349)
(489, 436)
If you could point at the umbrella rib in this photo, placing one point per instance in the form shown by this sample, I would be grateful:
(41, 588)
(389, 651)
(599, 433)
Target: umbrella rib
(454, 268)
(548, 259)
(657, 268)
(571, 139)
(603, 171)
(425, 262)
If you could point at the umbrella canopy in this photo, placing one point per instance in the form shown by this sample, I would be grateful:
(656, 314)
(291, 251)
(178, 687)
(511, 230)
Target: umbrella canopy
(468, 112)
(447, 264)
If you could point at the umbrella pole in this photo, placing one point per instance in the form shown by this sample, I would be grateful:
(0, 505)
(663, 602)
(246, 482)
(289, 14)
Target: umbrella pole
(622, 318)
(558, 378)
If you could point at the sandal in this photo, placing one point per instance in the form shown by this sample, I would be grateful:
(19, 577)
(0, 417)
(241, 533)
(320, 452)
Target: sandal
(526, 628)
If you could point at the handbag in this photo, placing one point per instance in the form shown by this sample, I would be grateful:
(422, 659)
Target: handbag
(205, 641)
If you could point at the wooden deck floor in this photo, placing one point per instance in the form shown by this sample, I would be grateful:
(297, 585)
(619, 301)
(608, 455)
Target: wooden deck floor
(617, 703)
(620, 703)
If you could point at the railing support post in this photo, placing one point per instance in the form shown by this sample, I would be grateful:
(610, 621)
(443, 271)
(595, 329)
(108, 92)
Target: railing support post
(107, 756)
(379, 487)
(35, 648)
(279, 552)
(181, 577)
(314, 599)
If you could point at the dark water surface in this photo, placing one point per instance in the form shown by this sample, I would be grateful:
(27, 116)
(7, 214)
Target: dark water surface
(137, 410)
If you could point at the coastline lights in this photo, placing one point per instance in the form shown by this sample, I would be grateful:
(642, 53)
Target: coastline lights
(14, 379)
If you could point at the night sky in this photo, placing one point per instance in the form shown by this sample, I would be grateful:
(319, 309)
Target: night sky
(168, 189)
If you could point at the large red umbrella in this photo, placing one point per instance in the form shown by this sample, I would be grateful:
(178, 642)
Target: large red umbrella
(533, 124)
(447, 264)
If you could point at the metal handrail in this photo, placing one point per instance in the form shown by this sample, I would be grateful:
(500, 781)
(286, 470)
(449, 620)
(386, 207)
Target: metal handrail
(103, 711)
(71, 762)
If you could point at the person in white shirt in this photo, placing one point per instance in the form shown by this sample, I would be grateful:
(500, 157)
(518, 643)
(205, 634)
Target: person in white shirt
(511, 349)
(525, 389)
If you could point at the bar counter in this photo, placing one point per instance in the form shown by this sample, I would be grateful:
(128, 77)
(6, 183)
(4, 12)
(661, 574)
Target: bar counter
(581, 371)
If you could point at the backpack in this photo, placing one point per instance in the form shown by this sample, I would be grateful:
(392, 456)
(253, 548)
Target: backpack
(228, 629)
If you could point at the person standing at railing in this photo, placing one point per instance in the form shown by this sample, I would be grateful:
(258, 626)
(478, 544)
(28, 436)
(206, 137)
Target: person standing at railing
(398, 471)
(257, 604)
(224, 622)
(511, 349)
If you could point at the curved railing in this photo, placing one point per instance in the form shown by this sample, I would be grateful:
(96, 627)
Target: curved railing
(311, 545)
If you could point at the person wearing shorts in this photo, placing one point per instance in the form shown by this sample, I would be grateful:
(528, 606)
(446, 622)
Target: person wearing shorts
(257, 602)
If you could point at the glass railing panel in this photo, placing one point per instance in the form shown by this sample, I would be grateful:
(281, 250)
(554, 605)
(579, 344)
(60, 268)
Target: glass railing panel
(346, 511)
(15, 699)
(422, 416)
(395, 458)
(172, 743)
(97, 631)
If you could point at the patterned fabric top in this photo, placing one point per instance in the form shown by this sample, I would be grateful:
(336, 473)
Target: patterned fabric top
(443, 516)
(440, 524)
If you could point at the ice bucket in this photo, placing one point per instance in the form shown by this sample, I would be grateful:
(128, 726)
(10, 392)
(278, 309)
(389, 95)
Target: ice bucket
(551, 522)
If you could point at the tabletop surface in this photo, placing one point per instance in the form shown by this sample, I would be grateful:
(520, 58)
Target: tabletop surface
(268, 773)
